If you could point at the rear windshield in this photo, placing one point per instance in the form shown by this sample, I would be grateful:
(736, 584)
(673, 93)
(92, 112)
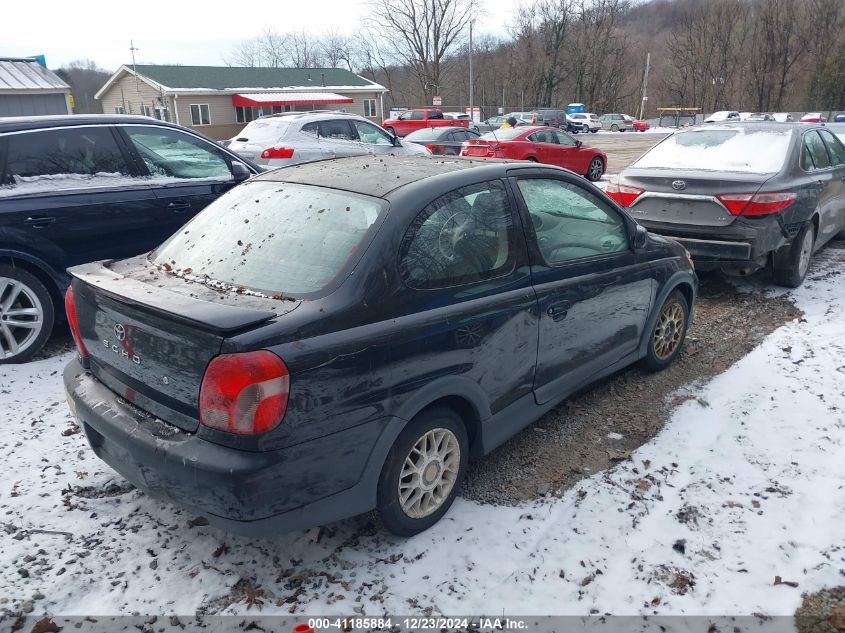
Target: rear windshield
(425, 134)
(502, 134)
(757, 152)
(264, 131)
(275, 237)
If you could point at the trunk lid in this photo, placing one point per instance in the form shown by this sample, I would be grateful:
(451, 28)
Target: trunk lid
(478, 147)
(150, 335)
(687, 196)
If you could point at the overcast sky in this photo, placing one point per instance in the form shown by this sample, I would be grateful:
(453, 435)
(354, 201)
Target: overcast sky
(178, 32)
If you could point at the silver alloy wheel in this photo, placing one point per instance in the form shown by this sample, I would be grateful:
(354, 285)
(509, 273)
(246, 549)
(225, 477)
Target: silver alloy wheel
(596, 169)
(21, 317)
(806, 252)
(669, 330)
(429, 473)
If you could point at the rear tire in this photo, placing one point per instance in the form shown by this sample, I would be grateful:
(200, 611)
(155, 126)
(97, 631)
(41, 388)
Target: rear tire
(423, 472)
(667, 336)
(594, 131)
(791, 263)
(27, 315)
(614, 128)
(595, 170)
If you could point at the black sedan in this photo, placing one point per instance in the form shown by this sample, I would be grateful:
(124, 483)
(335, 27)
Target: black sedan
(442, 141)
(343, 335)
(742, 196)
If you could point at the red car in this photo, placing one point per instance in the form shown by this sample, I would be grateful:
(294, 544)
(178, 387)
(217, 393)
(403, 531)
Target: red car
(641, 126)
(542, 145)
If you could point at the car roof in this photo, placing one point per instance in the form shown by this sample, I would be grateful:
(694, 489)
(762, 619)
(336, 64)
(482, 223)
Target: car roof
(381, 175)
(21, 123)
(772, 126)
(305, 117)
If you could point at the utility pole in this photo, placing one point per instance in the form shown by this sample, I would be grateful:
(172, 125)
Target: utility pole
(645, 86)
(471, 95)
(132, 49)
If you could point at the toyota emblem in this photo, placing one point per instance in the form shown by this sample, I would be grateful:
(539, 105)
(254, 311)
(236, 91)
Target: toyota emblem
(679, 185)
(119, 332)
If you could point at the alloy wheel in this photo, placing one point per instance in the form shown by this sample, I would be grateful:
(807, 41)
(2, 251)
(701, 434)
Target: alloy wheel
(806, 252)
(596, 169)
(669, 330)
(429, 473)
(21, 317)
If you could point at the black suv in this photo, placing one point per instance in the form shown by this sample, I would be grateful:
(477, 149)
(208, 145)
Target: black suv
(557, 118)
(75, 189)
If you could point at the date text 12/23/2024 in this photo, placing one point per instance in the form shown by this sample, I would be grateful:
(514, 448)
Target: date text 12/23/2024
(417, 624)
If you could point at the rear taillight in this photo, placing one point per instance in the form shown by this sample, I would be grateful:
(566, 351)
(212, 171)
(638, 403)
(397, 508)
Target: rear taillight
(277, 152)
(73, 322)
(756, 204)
(623, 194)
(244, 393)
(494, 149)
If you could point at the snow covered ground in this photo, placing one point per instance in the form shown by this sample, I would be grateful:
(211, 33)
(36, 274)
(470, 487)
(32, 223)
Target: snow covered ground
(746, 483)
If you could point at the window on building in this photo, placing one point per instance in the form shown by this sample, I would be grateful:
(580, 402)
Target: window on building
(146, 110)
(200, 114)
(119, 110)
(370, 107)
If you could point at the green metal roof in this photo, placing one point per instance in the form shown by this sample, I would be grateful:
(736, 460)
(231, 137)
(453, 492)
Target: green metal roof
(235, 78)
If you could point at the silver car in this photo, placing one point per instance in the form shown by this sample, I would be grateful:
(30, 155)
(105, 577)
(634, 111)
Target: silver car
(300, 137)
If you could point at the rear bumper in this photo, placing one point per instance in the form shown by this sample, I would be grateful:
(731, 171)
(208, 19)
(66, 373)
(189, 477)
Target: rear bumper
(253, 493)
(743, 245)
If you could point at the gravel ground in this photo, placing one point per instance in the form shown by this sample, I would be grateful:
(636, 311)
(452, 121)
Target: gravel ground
(623, 148)
(822, 612)
(587, 433)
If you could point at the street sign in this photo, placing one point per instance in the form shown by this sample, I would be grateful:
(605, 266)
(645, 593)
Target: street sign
(437, 100)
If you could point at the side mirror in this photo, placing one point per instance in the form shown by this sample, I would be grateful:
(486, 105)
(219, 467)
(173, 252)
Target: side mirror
(578, 143)
(240, 172)
(640, 237)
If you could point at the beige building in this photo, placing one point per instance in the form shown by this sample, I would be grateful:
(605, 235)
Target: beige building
(220, 100)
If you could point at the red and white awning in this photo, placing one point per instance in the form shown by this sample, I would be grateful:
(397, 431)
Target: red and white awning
(289, 98)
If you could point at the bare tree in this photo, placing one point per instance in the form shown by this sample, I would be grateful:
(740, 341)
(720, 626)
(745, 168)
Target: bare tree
(268, 49)
(85, 78)
(423, 33)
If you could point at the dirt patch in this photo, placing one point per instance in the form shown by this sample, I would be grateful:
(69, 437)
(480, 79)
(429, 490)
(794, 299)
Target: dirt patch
(822, 612)
(601, 425)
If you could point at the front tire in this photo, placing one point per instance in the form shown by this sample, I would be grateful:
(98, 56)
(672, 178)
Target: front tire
(595, 170)
(668, 333)
(423, 472)
(26, 315)
(614, 128)
(390, 131)
(791, 263)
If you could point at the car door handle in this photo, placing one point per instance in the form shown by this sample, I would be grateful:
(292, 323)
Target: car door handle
(39, 221)
(558, 311)
(178, 206)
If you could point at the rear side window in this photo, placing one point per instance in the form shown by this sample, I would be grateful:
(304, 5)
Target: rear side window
(338, 129)
(172, 154)
(276, 237)
(64, 158)
(720, 149)
(834, 146)
(543, 136)
(816, 152)
(463, 237)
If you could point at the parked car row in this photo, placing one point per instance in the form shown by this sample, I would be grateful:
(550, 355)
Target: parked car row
(358, 309)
